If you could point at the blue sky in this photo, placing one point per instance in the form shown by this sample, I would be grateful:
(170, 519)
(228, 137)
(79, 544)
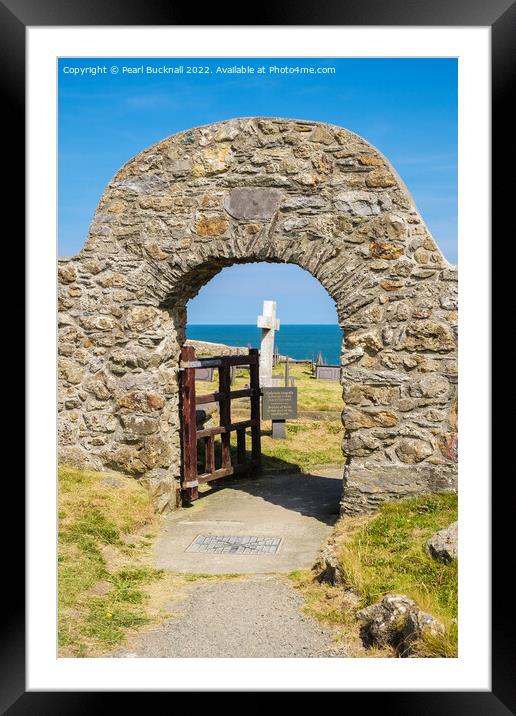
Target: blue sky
(407, 108)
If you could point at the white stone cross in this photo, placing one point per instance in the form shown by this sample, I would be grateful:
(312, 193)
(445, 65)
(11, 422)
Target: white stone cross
(268, 323)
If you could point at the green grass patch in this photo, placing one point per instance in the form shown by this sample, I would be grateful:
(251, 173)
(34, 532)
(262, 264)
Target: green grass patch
(308, 443)
(386, 554)
(101, 594)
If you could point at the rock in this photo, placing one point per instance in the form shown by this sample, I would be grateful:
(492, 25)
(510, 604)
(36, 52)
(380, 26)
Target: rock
(413, 450)
(140, 402)
(361, 394)
(382, 250)
(153, 249)
(392, 285)
(421, 256)
(380, 178)
(350, 598)
(443, 545)
(370, 160)
(67, 273)
(321, 135)
(430, 386)
(211, 226)
(227, 132)
(124, 458)
(100, 422)
(213, 160)
(427, 335)
(304, 202)
(449, 446)
(97, 323)
(69, 371)
(157, 203)
(369, 339)
(329, 564)
(156, 452)
(252, 202)
(359, 203)
(112, 279)
(350, 356)
(136, 426)
(360, 444)
(384, 621)
(355, 419)
(418, 625)
(396, 621)
(100, 386)
(142, 184)
(143, 318)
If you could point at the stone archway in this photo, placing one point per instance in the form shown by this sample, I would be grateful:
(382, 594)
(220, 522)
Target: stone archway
(260, 189)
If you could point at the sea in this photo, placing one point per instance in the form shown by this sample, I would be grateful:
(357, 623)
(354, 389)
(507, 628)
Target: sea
(295, 340)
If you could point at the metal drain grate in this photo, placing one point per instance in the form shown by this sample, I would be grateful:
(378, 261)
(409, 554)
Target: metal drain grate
(226, 544)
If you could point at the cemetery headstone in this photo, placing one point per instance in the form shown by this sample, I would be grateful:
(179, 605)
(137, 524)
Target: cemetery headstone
(204, 374)
(327, 372)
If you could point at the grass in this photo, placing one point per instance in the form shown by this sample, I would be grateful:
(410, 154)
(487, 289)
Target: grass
(308, 443)
(104, 531)
(313, 395)
(386, 554)
(311, 439)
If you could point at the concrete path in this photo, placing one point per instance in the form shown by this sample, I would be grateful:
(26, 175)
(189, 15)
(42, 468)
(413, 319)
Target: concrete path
(250, 617)
(259, 613)
(298, 510)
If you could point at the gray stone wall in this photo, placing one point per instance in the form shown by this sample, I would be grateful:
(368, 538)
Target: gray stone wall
(258, 189)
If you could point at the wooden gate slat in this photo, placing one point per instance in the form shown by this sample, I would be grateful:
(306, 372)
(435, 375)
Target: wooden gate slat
(209, 454)
(189, 428)
(190, 477)
(225, 413)
(240, 446)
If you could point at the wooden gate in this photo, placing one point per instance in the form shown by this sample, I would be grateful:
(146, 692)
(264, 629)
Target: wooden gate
(196, 471)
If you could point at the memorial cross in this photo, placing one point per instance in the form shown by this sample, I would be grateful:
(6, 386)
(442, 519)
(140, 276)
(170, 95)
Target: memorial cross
(269, 324)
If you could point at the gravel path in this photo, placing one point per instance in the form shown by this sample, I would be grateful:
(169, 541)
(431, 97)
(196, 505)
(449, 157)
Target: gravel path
(256, 616)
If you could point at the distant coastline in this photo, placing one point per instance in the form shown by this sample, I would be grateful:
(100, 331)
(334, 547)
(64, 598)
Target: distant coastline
(295, 340)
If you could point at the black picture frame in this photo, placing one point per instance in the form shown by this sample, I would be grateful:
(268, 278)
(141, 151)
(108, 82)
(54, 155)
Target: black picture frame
(500, 16)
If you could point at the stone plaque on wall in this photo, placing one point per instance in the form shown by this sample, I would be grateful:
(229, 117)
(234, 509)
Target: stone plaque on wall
(327, 372)
(279, 403)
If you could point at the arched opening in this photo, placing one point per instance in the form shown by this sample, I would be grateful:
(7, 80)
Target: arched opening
(222, 320)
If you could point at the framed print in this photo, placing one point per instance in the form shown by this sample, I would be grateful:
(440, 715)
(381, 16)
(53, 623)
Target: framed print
(229, 212)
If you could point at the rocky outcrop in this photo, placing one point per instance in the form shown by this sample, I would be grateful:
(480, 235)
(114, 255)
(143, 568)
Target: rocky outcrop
(260, 189)
(328, 566)
(443, 545)
(396, 621)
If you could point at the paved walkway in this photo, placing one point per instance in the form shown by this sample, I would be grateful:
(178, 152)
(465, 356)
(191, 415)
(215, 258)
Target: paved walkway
(297, 509)
(257, 614)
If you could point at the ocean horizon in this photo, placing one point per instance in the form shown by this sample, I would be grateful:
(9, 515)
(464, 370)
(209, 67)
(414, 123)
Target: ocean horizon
(296, 340)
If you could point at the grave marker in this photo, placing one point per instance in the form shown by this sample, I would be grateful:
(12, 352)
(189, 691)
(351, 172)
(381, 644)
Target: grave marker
(327, 372)
(269, 324)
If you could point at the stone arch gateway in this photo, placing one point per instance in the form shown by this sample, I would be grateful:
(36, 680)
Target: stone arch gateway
(260, 189)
